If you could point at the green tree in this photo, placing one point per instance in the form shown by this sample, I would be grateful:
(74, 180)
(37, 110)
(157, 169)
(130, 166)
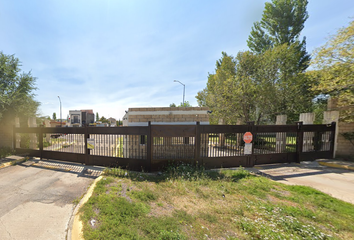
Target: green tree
(119, 123)
(333, 72)
(97, 117)
(16, 90)
(186, 104)
(54, 116)
(285, 89)
(257, 87)
(104, 120)
(201, 97)
(282, 22)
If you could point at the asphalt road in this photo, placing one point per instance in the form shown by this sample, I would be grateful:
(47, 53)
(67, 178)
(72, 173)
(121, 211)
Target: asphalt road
(36, 198)
(338, 183)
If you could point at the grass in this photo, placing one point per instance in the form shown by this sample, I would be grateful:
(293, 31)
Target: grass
(187, 202)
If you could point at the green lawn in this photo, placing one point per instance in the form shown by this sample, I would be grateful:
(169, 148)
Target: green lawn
(186, 202)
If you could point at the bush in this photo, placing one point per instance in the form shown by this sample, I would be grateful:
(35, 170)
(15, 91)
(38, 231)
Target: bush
(6, 151)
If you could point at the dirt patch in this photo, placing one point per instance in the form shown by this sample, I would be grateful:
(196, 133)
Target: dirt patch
(277, 200)
(161, 209)
(281, 192)
(123, 193)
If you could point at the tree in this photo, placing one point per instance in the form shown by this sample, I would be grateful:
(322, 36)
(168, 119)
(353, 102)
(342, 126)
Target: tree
(104, 120)
(201, 97)
(16, 90)
(97, 117)
(54, 116)
(282, 23)
(186, 104)
(119, 123)
(257, 87)
(333, 72)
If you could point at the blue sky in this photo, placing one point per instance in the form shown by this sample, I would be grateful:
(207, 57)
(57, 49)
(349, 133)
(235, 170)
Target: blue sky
(109, 55)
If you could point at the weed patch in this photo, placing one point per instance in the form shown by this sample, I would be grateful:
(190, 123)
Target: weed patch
(188, 202)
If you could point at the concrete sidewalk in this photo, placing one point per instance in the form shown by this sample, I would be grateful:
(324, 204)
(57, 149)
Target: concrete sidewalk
(337, 182)
(12, 160)
(37, 198)
(336, 164)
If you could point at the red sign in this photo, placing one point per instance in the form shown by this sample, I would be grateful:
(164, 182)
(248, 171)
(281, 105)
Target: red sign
(247, 138)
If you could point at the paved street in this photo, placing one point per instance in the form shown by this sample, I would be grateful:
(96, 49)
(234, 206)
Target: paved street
(338, 183)
(36, 198)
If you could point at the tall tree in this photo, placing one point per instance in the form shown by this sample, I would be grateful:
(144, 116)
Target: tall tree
(97, 117)
(16, 90)
(257, 87)
(282, 22)
(333, 72)
(54, 116)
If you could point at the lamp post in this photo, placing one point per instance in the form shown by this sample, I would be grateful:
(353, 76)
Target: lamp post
(60, 113)
(184, 90)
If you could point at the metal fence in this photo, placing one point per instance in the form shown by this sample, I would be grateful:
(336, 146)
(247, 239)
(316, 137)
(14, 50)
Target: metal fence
(152, 147)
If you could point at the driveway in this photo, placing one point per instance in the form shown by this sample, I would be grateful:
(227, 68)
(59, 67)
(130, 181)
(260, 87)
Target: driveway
(338, 183)
(37, 198)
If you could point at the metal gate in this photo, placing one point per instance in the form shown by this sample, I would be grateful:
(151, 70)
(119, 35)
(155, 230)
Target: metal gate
(152, 147)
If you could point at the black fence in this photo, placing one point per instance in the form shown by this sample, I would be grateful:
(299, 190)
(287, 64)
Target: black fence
(151, 147)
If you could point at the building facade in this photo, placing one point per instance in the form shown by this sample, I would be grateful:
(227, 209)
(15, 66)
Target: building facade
(80, 118)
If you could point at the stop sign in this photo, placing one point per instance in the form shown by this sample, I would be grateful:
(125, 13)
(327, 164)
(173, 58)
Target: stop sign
(247, 137)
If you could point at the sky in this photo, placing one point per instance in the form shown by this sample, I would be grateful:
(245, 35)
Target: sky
(111, 55)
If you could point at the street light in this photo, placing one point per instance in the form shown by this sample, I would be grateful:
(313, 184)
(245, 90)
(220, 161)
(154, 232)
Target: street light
(60, 113)
(184, 89)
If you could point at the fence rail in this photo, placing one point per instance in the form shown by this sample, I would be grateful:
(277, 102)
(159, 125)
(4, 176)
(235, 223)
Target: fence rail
(151, 147)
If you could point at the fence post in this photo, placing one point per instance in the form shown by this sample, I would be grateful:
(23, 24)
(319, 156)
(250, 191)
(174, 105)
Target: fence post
(333, 138)
(149, 147)
(17, 136)
(308, 137)
(41, 141)
(87, 152)
(252, 157)
(197, 143)
(299, 141)
(280, 142)
(33, 137)
(328, 118)
(221, 135)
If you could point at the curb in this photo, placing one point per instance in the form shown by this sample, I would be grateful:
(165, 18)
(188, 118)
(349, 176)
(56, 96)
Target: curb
(14, 162)
(335, 165)
(75, 225)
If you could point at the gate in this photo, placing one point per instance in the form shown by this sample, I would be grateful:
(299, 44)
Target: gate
(152, 147)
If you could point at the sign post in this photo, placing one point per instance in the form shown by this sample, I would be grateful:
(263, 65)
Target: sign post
(247, 138)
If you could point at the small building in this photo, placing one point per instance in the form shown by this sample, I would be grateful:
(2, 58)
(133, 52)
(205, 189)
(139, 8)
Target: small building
(165, 147)
(166, 116)
(80, 118)
(112, 122)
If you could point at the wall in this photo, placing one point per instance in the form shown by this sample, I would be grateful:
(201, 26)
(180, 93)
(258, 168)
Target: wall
(344, 147)
(166, 115)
